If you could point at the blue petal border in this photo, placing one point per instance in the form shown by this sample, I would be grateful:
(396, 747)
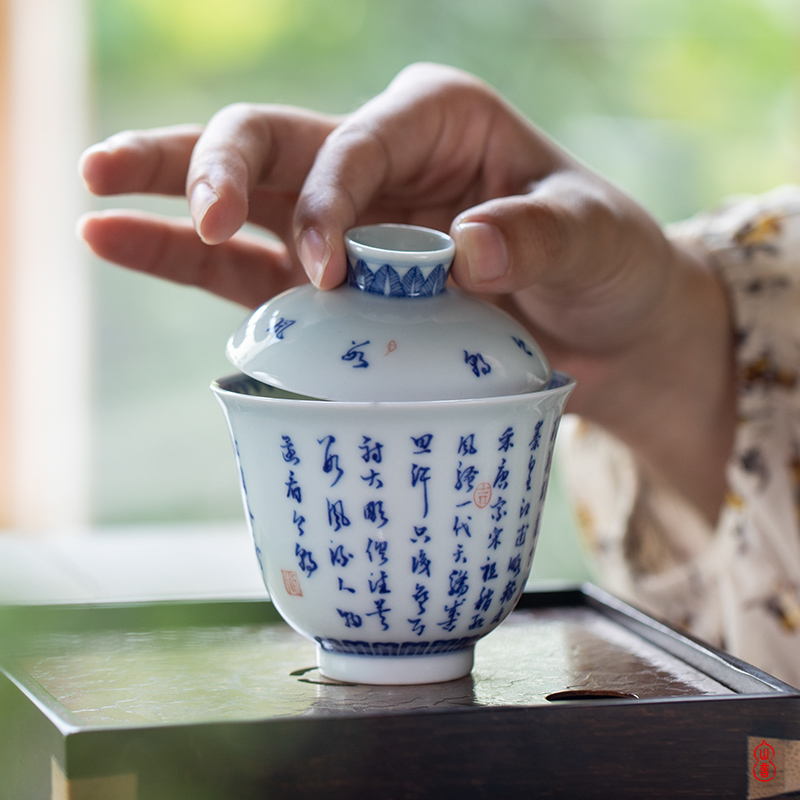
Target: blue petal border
(387, 281)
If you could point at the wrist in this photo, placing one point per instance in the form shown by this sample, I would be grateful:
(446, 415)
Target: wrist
(671, 397)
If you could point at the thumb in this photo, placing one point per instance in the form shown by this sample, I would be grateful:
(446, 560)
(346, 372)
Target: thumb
(508, 243)
(585, 261)
(572, 227)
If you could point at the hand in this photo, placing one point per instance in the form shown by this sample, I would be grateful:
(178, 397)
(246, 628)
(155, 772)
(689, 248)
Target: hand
(606, 294)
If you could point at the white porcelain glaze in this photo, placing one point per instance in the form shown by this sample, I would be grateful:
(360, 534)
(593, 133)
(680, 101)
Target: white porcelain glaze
(394, 534)
(394, 332)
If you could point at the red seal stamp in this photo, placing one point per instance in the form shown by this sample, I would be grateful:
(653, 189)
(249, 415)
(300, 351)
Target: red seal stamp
(764, 769)
(291, 583)
(482, 495)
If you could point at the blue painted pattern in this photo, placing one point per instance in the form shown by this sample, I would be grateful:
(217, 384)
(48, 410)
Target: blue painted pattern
(357, 553)
(387, 281)
(418, 648)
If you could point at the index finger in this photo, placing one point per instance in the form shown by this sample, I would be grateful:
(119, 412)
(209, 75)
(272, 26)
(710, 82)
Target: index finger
(245, 146)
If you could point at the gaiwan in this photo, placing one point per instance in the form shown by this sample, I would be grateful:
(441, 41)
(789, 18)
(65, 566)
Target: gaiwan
(393, 439)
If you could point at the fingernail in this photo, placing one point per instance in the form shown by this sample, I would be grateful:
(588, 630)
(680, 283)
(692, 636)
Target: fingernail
(86, 155)
(203, 197)
(314, 252)
(106, 146)
(80, 225)
(485, 250)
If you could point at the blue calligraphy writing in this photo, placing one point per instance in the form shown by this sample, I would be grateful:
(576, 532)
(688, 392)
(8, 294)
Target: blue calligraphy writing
(522, 534)
(421, 475)
(453, 614)
(378, 550)
(305, 560)
(379, 585)
(537, 436)
(509, 591)
(498, 509)
(371, 450)
(522, 346)
(421, 532)
(373, 511)
(466, 447)
(485, 599)
(458, 583)
(531, 467)
(373, 479)
(477, 363)
(351, 620)
(494, 539)
(339, 556)
(421, 564)
(501, 479)
(289, 453)
(337, 519)
(422, 443)
(420, 597)
(279, 326)
(465, 477)
(293, 488)
(330, 463)
(381, 611)
(505, 440)
(356, 355)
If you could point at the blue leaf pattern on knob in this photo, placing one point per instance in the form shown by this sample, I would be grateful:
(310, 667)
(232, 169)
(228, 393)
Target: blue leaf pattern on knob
(387, 281)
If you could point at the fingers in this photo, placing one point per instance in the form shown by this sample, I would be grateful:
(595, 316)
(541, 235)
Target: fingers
(246, 269)
(436, 141)
(152, 162)
(245, 153)
(247, 147)
(371, 158)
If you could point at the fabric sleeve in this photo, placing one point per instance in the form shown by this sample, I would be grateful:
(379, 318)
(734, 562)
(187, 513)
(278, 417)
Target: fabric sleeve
(736, 585)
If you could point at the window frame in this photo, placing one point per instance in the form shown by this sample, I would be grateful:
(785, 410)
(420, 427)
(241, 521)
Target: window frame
(44, 285)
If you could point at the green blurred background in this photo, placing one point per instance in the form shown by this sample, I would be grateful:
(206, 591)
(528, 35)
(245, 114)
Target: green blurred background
(681, 102)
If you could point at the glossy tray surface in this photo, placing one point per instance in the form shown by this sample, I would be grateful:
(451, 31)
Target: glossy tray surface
(252, 672)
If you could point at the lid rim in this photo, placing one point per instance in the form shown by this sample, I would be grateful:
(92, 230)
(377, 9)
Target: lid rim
(354, 239)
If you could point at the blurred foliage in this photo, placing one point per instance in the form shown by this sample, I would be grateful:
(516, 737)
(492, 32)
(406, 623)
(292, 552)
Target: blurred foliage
(679, 101)
(725, 70)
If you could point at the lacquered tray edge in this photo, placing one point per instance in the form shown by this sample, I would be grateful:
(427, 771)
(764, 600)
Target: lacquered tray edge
(737, 675)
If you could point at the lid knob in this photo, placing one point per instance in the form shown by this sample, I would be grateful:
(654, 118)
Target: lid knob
(398, 260)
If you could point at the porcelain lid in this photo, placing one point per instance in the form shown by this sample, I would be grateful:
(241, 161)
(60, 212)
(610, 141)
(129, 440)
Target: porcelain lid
(393, 332)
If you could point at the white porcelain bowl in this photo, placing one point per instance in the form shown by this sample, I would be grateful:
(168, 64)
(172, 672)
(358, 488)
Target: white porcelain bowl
(393, 534)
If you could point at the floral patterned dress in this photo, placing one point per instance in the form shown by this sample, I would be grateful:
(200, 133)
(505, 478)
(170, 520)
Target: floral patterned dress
(736, 586)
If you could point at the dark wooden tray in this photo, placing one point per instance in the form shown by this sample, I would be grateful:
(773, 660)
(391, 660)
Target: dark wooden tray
(576, 695)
